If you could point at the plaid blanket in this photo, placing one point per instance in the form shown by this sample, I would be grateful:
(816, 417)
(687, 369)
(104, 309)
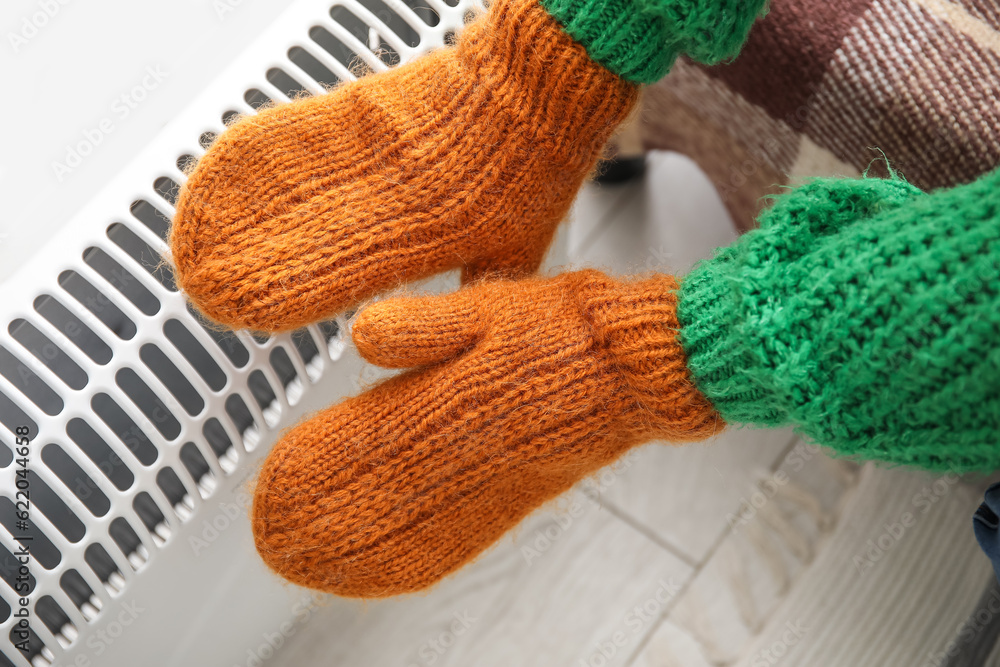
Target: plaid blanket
(826, 87)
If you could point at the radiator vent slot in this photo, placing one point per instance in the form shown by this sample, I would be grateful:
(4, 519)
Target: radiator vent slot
(80, 593)
(76, 479)
(73, 328)
(28, 383)
(47, 352)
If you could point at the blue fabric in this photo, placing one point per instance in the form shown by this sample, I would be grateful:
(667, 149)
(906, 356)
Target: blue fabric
(986, 524)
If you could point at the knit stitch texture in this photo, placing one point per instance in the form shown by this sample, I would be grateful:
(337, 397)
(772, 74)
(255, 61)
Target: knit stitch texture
(864, 312)
(526, 388)
(467, 157)
(640, 39)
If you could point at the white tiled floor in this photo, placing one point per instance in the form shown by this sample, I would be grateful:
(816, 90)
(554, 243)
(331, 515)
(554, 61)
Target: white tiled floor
(743, 550)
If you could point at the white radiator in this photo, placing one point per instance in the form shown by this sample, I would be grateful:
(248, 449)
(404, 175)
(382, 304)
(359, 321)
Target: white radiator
(144, 428)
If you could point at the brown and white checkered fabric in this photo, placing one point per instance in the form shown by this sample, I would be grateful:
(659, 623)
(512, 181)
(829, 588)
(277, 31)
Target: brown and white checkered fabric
(824, 87)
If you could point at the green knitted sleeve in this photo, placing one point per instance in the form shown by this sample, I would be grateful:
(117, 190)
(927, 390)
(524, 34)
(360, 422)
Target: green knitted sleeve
(640, 39)
(864, 312)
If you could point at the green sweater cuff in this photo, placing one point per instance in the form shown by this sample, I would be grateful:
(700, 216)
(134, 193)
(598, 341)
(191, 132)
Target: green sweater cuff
(732, 307)
(639, 40)
(866, 313)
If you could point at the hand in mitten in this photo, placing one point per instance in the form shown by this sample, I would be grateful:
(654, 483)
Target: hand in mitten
(465, 158)
(528, 386)
(865, 313)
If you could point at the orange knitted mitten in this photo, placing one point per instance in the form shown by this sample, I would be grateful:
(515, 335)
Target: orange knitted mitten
(547, 381)
(467, 157)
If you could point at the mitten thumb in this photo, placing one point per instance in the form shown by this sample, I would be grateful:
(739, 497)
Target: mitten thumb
(417, 331)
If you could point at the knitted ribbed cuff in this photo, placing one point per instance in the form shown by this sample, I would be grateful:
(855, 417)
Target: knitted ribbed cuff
(864, 313)
(719, 350)
(537, 82)
(731, 325)
(636, 323)
(640, 39)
